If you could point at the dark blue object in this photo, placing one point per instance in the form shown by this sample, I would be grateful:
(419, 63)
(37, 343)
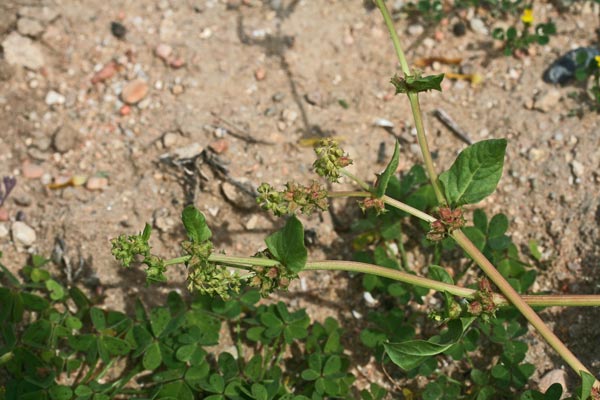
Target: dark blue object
(563, 70)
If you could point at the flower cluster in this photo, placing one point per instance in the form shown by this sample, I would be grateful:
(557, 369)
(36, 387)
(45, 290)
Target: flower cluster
(483, 304)
(448, 221)
(207, 277)
(372, 203)
(330, 159)
(126, 248)
(295, 198)
(269, 279)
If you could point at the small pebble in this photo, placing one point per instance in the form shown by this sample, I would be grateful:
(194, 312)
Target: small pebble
(107, 72)
(23, 234)
(415, 30)
(170, 139)
(219, 146)
(4, 216)
(176, 62)
(554, 376)
(177, 89)
(29, 27)
(459, 29)
(54, 98)
(32, 171)
(118, 29)
(3, 231)
(97, 183)
(260, 74)
(125, 110)
(289, 116)
(163, 51)
(478, 26)
(314, 98)
(237, 197)
(134, 91)
(578, 168)
(65, 138)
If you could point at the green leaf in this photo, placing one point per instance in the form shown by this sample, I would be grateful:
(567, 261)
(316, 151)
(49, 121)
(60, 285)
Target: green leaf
(416, 83)
(152, 357)
(195, 225)
(332, 366)
(384, 178)
(310, 375)
(475, 172)
(37, 334)
(259, 392)
(534, 250)
(159, 319)
(177, 390)
(57, 292)
(60, 392)
(475, 236)
(287, 245)
(440, 274)
(116, 346)
(33, 302)
(410, 354)
(83, 391)
(98, 318)
(498, 225)
(587, 382)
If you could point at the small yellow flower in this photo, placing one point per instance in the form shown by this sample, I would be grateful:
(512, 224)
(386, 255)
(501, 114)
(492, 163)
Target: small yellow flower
(527, 16)
(597, 58)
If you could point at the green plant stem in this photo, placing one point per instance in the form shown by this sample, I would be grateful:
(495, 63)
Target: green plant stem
(422, 139)
(512, 295)
(460, 238)
(395, 39)
(353, 266)
(414, 103)
(356, 179)
(387, 200)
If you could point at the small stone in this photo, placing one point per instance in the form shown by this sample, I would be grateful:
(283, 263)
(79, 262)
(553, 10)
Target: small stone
(4, 216)
(428, 43)
(65, 138)
(251, 223)
(577, 168)
(3, 231)
(189, 151)
(554, 376)
(54, 98)
(125, 110)
(176, 62)
(134, 91)
(162, 220)
(314, 98)
(32, 171)
(459, 29)
(170, 139)
(29, 27)
(163, 51)
(177, 89)
(118, 29)
(23, 234)
(97, 183)
(289, 116)
(107, 72)
(6, 70)
(415, 30)
(219, 146)
(20, 50)
(43, 14)
(238, 197)
(277, 97)
(478, 26)
(547, 101)
(260, 74)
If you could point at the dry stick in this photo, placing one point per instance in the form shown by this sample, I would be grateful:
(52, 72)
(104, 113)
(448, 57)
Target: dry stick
(460, 238)
(452, 125)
